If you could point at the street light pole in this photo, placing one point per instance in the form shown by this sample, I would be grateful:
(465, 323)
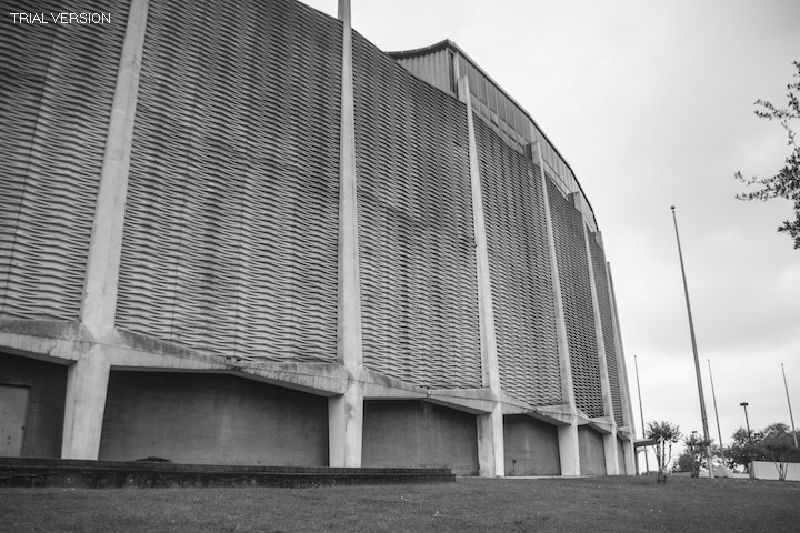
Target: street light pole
(747, 419)
(716, 413)
(641, 413)
(791, 418)
(703, 416)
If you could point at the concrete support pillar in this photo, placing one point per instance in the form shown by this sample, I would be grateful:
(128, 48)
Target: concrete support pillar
(569, 450)
(490, 443)
(345, 412)
(99, 302)
(490, 426)
(87, 381)
(629, 466)
(345, 419)
(611, 452)
(87, 385)
(568, 446)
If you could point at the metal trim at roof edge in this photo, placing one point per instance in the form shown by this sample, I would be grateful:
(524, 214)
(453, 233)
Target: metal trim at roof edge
(447, 44)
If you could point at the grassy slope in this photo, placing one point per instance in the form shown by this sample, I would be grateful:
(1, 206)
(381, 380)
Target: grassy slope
(599, 504)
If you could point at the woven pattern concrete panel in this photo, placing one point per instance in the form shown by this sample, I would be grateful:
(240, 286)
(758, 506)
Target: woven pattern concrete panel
(230, 236)
(417, 252)
(576, 295)
(604, 301)
(519, 261)
(56, 87)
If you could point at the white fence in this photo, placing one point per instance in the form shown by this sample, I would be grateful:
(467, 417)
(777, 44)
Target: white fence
(768, 470)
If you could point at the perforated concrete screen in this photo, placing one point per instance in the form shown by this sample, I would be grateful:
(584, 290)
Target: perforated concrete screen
(576, 295)
(519, 259)
(604, 302)
(417, 251)
(231, 226)
(56, 87)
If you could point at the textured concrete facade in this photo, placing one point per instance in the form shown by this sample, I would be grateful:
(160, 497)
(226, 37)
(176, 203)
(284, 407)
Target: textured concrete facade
(303, 249)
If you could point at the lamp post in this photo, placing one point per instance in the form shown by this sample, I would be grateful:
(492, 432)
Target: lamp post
(703, 416)
(747, 419)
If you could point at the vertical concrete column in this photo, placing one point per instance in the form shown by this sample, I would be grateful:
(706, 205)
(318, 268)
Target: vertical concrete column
(609, 439)
(99, 303)
(87, 381)
(568, 444)
(87, 386)
(625, 391)
(611, 452)
(569, 450)
(345, 412)
(490, 425)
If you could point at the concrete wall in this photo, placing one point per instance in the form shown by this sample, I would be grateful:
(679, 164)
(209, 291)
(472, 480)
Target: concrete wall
(47, 383)
(209, 418)
(531, 447)
(621, 457)
(414, 434)
(591, 449)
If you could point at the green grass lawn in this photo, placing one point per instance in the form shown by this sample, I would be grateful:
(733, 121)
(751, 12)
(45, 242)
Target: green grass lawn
(592, 504)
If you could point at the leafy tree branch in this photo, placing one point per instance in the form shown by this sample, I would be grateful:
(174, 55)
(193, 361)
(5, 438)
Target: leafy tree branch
(786, 183)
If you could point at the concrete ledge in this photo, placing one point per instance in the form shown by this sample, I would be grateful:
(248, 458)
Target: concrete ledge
(38, 473)
(68, 342)
(326, 379)
(378, 386)
(603, 424)
(624, 433)
(514, 406)
(559, 415)
(468, 400)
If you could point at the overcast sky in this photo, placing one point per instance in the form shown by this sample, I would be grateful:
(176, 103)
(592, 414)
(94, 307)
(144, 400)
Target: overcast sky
(651, 104)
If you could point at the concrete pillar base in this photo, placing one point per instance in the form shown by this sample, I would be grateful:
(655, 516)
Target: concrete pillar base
(629, 457)
(611, 452)
(87, 386)
(345, 421)
(569, 450)
(490, 443)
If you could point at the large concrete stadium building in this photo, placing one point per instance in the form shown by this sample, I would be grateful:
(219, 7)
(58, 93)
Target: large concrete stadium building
(269, 242)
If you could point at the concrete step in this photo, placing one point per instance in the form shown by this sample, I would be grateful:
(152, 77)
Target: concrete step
(64, 473)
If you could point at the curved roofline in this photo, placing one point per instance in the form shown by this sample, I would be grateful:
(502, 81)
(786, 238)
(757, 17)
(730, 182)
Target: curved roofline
(447, 44)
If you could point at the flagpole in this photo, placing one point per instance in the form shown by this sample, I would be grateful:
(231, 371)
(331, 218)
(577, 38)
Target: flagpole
(716, 413)
(791, 418)
(641, 413)
(703, 416)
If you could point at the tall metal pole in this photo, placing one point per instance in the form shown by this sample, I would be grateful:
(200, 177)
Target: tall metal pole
(791, 418)
(694, 348)
(716, 413)
(641, 413)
